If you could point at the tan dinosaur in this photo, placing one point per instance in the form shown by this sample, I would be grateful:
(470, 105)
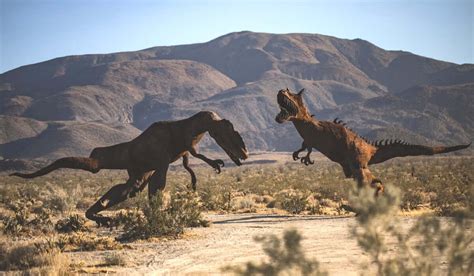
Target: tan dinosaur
(342, 145)
(147, 157)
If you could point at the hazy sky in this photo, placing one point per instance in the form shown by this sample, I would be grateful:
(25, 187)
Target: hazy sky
(34, 31)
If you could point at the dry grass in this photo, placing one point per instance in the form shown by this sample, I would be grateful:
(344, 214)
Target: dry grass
(115, 259)
(33, 258)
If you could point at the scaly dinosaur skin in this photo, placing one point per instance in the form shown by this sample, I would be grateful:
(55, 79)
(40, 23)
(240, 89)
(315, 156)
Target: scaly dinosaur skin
(342, 145)
(147, 157)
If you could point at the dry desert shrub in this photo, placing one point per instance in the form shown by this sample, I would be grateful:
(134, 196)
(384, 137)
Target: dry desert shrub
(244, 203)
(72, 223)
(159, 219)
(33, 259)
(442, 184)
(292, 201)
(26, 217)
(85, 242)
(116, 259)
(216, 197)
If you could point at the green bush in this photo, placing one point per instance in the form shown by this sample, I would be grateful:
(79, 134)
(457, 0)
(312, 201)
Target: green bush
(73, 223)
(292, 201)
(411, 199)
(216, 197)
(184, 210)
(27, 218)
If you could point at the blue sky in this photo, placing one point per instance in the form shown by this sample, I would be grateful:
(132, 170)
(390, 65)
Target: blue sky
(35, 31)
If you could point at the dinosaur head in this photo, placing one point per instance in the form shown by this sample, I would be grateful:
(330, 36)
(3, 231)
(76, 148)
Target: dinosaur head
(229, 140)
(291, 106)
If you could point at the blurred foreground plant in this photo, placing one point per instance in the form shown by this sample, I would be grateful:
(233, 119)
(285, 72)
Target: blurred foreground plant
(418, 249)
(286, 258)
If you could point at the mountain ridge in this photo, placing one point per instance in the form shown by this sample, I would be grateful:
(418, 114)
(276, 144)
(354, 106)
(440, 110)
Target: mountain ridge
(236, 75)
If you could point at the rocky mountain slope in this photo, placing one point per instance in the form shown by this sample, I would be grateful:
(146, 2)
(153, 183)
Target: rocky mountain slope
(67, 106)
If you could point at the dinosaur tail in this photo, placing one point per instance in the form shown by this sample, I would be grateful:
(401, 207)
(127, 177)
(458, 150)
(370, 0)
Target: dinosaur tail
(391, 149)
(81, 163)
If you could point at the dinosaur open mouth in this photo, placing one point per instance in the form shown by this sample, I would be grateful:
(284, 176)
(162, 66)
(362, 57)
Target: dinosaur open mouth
(236, 158)
(287, 108)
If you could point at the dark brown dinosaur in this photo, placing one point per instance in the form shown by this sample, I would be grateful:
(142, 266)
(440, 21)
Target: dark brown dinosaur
(342, 145)
(147, 157)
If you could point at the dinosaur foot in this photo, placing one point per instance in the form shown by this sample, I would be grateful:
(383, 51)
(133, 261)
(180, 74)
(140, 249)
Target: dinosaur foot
(217, 164)
(306, 160)
(295, 155)
(378, 186)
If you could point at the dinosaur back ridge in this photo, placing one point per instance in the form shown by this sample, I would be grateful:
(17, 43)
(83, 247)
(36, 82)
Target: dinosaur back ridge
(376, 143)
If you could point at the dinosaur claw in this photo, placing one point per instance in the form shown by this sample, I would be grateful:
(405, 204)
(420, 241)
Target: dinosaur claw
(307, 160)
(295, 156)
(217, 164)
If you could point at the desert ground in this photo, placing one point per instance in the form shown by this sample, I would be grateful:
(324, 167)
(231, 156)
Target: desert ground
(229, 241)
(268, 195)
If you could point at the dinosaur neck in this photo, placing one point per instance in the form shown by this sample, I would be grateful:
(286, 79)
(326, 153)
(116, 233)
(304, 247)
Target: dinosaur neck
(201, 123)
(305, 126)
(301, 122)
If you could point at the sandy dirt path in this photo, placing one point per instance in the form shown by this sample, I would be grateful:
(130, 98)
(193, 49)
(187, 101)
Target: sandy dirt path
(229, 241)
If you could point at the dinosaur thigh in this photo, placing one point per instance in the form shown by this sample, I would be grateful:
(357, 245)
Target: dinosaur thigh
(140, 184)
(117, 194)
(359, 168)
(157, 180)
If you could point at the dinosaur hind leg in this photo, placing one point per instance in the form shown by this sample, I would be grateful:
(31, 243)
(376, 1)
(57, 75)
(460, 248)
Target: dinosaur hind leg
(115, 195)
(378, 186)
(364, 177)
(158, 180)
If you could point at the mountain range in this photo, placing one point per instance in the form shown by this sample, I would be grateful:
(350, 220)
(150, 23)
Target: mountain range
(69, 105)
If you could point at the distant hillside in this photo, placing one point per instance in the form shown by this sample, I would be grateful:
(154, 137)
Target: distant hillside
(67, 106)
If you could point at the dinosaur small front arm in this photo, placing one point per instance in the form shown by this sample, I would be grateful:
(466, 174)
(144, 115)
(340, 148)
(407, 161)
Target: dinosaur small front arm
(216, 164)
(305, 159)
